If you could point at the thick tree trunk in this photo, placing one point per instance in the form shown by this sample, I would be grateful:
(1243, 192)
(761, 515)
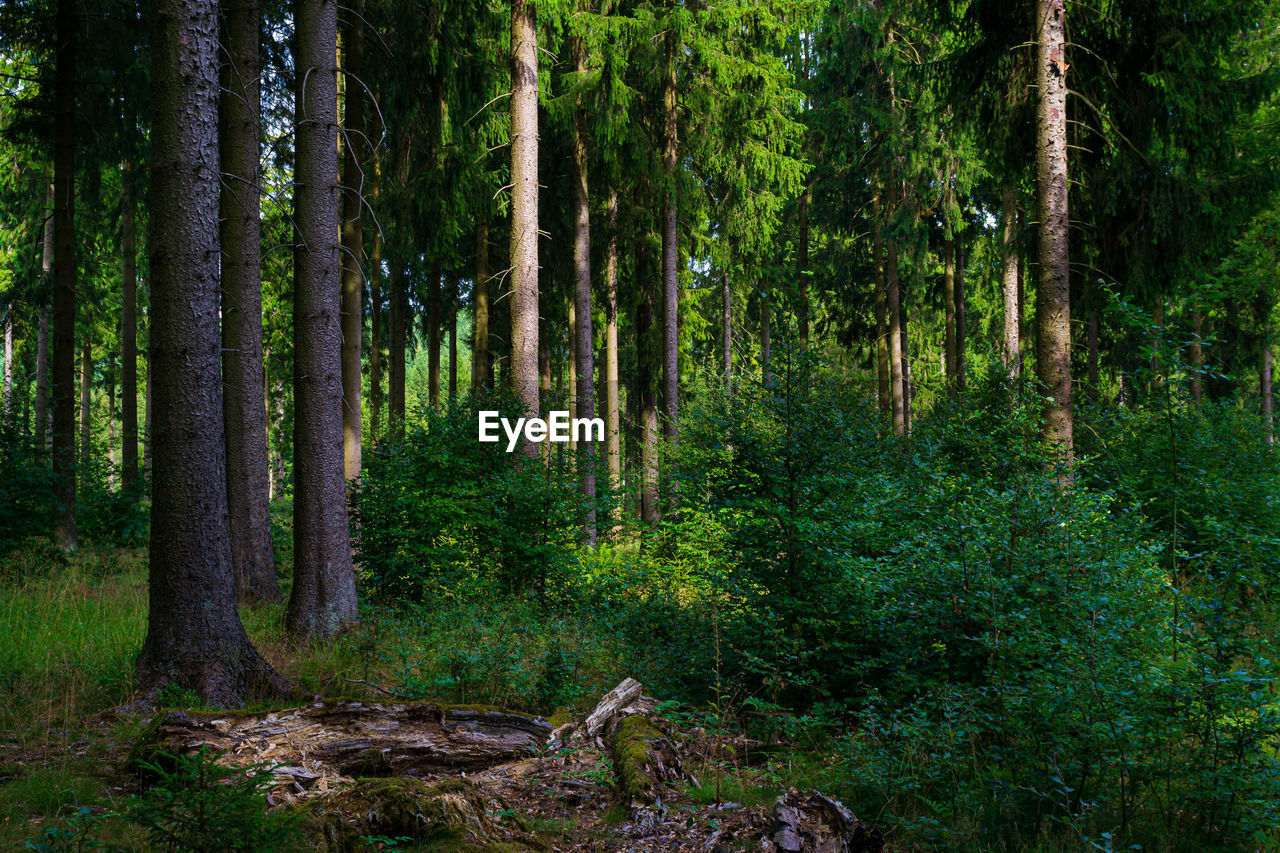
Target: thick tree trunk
(670, 251)
(481, 359)
(897, 382)
(352, 257)
(802, 283)
(583, 332)
(42, 330)
(1053, 287)
(64, 275)
(524, 209)
(648, 359)
(129, 334)
(949, 357)
(431, 328)
(395, 351)
(243, 368)
(194, 636)
(612, 410)
(86, 401)
(375, 336)
(1009, 261)
(1196, 354)
(323, 599)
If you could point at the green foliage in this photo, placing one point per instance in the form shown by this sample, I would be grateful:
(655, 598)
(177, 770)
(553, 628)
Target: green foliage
(199, 806)
(441, 514)
(26, 489)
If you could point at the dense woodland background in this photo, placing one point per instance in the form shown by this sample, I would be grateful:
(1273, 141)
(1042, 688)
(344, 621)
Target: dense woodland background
(934, 342)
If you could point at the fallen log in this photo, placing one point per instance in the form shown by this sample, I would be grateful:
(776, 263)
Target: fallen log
(645, 761)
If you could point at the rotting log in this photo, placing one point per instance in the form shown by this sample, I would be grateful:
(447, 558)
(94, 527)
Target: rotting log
(645, 761)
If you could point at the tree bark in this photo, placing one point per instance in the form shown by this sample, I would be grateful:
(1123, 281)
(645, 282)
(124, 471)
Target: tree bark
(1009, 261)
(395, 351)
(766, 316)
(323, 599)
(42, 431)
(64, 275)
(1053, 288)
(670, 251)
(86, 400)
(481, 359)
(194, 636)
(726, 327)
(524, 209)
(352, 257)
(129, 334)
(243, 368)
(584, 334)
(612, 408)
(897, 382)
(961, 311)
(1267, 419)
(431, 326)
(648, 359)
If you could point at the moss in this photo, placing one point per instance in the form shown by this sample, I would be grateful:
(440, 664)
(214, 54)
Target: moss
(396, 807)
(631, 748)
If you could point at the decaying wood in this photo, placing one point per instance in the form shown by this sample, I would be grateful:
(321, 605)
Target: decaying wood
(646, 761)
(608, 707)
(816, 823)
(315, 746)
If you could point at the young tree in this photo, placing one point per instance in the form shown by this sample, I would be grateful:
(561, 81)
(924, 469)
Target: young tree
(352, 258)
(64, 274)
(323, 599)
(585, 362)
(129, 330)
(243, 370)
(194, 636)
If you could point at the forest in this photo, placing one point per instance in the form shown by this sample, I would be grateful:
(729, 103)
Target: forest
(935, 501)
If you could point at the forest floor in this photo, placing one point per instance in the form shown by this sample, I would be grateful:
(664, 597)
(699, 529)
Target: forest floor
(692, 780)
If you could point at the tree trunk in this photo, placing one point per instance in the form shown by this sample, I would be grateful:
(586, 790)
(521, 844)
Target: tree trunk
(726, 327)
(802, 307)
(323, 599)
(612, 411)
(906, 357)
(1053, 288)
(949, 301)
(64, 275)
(897, 382)
(524, 209)
(431, 324)
(352, 257)
(1009, 261)
(8, 361)
(648, 359)
(129, 334)
(481, 359)
(42, 331)
(194, 636)
(146, 421)
(243, 368)
(375, 335)
(86, 400)
(573, 363)
(1196, 354)
(395, 352)
(584, 334)
(670, 251)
